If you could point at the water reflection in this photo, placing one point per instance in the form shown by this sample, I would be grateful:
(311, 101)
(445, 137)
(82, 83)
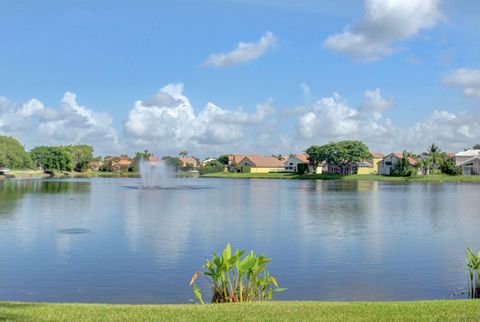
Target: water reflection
(96, 240)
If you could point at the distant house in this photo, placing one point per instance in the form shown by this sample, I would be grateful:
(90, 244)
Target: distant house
(207, 161)
(233, 162)
(95, 165)
(260, 164)
(469, 161)
(294, 160)
(122, 163)
(189, 163)
(370, 166)
(386, 165)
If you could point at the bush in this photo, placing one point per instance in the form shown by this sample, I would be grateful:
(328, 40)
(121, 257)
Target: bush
(302, 168)
(237, 279)
(448, 167)
(212, 167)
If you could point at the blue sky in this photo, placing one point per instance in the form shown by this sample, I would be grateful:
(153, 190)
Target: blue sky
(396, 74)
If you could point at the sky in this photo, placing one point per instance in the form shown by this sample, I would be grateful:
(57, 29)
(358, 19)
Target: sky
(239, 76)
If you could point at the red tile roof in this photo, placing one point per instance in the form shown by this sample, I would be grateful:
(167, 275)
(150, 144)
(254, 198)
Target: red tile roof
(261, 161)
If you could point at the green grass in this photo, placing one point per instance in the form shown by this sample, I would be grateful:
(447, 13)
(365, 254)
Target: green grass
(460, 310)
(430, 178)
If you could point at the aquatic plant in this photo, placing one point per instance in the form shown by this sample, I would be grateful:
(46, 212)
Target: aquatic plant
(237, 279)
(473, 264)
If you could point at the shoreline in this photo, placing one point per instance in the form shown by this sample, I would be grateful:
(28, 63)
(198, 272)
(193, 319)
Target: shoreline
(361, 177)
(432, 310)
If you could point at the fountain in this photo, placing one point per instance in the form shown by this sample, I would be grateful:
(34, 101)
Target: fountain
(156, 174)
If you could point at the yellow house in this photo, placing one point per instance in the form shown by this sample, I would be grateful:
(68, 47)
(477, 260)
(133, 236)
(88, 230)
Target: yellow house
(261, 164)
(370, 166)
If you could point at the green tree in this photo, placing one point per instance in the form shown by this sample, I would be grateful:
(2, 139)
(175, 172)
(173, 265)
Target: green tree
(52, 158)
(172, 162)
(145, 155)
(223, 159)
(183, 153)
(81, 155)
(434, 152)
(13, 154)
(476, 147)
(211, 167)
(316, 155)
(403, 168)
(448, 167)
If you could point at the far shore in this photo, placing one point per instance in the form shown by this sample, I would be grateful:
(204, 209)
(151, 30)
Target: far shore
(296, 176)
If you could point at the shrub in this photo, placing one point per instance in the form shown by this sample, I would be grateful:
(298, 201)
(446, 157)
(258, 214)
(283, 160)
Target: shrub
(237, 279)
(473, 264)
(302, 168)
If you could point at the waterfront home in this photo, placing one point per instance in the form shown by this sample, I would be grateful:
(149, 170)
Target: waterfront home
(260, 164)
(294, 160)
(386, 165)
(369, 166)
(469, 161)
(122, 163)
(95, 165)
(189, 163)
(233, 162)
(207, 161)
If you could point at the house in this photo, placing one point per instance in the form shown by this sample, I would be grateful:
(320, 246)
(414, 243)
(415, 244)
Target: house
(294, 160)
(369, 166)
(469, 161)
(386, 165)
(260, 164)
(191, 163)
(95, 165)
(207, 161)
(233, 162)
(122, 163)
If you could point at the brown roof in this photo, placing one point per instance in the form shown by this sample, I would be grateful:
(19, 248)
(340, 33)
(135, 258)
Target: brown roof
(376, 155)
(302, 157)
(235, 158)
(261, 161)
(189, 160)
(399, 155)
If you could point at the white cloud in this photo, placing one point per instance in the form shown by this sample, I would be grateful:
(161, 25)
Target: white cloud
(168, 121)
(385, 23)
(244, 52)
(15, 117)
(466, 78)
(332, 118)
(74, 124)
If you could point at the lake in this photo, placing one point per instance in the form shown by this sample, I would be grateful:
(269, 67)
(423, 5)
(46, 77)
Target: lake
(106, 240)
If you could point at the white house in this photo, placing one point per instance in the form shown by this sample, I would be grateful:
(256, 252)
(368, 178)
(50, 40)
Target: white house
(207, 161)
(469, 161)
(291, 165)
(386, 165)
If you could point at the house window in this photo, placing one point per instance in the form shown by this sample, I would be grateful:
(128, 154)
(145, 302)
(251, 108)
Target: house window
(388, 163)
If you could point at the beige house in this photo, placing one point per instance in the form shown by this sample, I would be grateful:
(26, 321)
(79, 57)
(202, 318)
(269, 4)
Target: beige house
(469, 161)
(189, 162)
(260, 164)
(291, 165)
(386, 165)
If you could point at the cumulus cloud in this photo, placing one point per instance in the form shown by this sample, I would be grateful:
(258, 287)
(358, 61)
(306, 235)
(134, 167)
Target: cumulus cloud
(168, 121)
(73, 123)
(244, 52)
(332, 118)
(385, 23)
(466, 78)
(16, 117)
(70, 123)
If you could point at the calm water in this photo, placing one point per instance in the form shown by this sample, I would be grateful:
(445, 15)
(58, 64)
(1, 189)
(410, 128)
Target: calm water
(103, 241)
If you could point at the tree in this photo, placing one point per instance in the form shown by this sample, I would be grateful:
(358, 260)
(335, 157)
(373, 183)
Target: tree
(315, 156)
(145, 155)
(172, 162)
(183, 153)
(52, 158)
(13, 154)
(223, 159)
(434, 152)
(448, 167)
(81, 155)
(476, 147)
(403, 168)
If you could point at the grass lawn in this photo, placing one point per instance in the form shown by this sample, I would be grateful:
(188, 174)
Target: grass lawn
(459, 310)
(430, 178)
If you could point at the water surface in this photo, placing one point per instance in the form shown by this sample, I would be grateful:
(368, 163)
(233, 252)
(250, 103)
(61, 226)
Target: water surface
(99, 240)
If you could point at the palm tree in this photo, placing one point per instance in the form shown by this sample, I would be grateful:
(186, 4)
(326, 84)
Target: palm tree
(434, 152)
(183, 153)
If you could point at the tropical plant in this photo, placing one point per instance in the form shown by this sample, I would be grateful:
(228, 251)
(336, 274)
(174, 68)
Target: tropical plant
(434, 152)
(447, 166)
(403, 168)
(237, 279)
(473, 263)
(183, 153)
